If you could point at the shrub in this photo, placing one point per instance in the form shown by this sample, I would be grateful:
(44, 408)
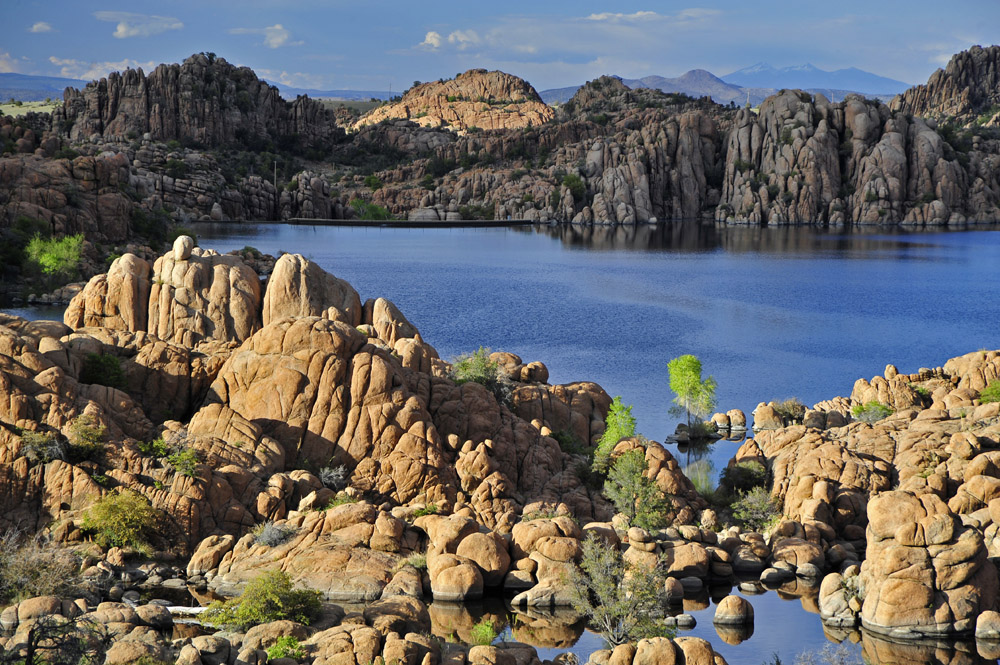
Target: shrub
(990, 393)
(870, 412)
(34, 567)
(619, 424)
(155, 448)
(268, 597)
(184, 462)
(483, 633)
(369, 211)
(340, 500)
(56, 640)
(334, 477)
(744, 476)
(43, 446)
(373, 182)
(429, 509)
(791, 410)
(271, 534)
(633, 494)
(478, 368)
(418, 560)
(123, 518)
(568, 443)
(755, 509)
(176, 168)
(621, 602)
(575, 185)
(103, 370)
(286, 646)
(86, 439)
(59, 259)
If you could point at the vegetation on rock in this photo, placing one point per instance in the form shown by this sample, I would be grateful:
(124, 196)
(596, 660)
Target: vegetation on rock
(122, 518)
(477, 367)
(622, 602)
(31, 567)
(756, 510)
(634, 494)
(268, 597)
(103, 369)
(619, 424)
(870, 412)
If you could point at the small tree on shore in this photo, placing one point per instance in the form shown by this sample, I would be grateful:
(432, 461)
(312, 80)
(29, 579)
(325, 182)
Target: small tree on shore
(619, 424)
(633, 493)
(621, 602)
(694, 396)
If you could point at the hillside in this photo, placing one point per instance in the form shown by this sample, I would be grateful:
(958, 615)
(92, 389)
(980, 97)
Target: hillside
(967, 89)
(475, 99)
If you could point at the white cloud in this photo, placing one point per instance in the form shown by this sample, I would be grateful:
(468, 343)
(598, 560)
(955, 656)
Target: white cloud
(293, 79)
(79, 69)
(138, 25)
(275, 36)
(41, 26)
(8, 64)
(613, 16)
(464, 38)
(432, 40)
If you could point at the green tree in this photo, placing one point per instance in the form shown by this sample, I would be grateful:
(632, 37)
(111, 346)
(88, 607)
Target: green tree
(268, 597)
(694, 396)
(621, 602)
(619, 424)
(634, 494)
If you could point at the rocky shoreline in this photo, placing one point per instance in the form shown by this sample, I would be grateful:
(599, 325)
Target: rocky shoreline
(240, 394)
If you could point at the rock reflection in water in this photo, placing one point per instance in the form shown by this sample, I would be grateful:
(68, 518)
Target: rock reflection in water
(557, 629)
(734, 634)
(878, 650)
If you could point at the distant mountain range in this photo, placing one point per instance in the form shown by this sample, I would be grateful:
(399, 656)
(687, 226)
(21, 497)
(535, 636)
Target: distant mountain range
(27, 88)
(346, 95)
(758, 82)
(763, 75)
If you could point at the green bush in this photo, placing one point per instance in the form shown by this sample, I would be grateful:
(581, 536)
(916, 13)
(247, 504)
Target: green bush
(575, 185)
(619, 424)
(176, 168)
(104, 370)
(373, 182)
(634, 494)
(86, 439)
(791, 410)
(370, 211)
(694, 396)
(755, 509)
(59, 259)
(744, 476)
(478, 368)
(621, 602)
(286, 646)
(568, 443)
(990, 393)
(123, 518)
(268, 597)
(155, 448)
(870, 412)
(184, 462)
(43, 446)
(429, 509)
(483, 633)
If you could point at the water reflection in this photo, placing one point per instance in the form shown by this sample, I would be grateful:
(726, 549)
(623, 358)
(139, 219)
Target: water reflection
(688, 237)
(879, 650)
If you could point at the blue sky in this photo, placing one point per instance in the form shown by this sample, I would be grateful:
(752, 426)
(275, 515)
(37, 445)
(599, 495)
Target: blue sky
(375, 44)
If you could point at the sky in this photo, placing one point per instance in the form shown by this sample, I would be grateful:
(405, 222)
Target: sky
(389, 44)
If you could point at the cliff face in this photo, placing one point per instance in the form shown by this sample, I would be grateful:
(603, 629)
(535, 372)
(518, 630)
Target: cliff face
(966, 88)
(205, 101)
(805, 159)
(477, 98)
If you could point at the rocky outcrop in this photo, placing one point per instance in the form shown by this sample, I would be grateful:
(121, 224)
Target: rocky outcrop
(803, 159)
(925, 573)
(967, 87)
(204, 101)
(476, 99)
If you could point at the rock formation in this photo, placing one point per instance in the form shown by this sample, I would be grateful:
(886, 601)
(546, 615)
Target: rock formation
(475, 100)
(967, 87)
(204, 101)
